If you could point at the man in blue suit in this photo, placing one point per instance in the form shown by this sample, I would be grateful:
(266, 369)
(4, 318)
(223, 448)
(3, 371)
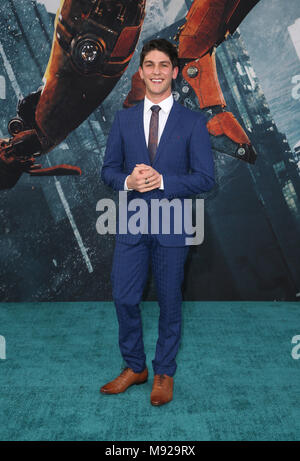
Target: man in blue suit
(159, 150)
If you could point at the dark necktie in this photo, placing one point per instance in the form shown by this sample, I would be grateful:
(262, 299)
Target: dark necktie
(153, 132)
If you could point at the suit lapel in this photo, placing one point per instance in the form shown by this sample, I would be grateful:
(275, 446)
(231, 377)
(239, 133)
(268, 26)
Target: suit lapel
(141, 141)
(170, 125)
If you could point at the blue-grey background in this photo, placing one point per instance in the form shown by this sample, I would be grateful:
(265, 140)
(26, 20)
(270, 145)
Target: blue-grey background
(49, 247)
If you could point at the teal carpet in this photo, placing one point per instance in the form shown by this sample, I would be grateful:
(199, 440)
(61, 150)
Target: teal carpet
(236, 378)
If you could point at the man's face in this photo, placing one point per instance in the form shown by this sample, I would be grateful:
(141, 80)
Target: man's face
(157, 73)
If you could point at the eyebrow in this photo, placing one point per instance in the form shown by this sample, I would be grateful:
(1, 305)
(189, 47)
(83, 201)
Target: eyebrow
(160, 62)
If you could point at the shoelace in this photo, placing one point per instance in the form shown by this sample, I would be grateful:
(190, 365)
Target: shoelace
(160, 379)
(122, 374)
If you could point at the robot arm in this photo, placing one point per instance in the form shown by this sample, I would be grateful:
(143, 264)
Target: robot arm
(207, 25)
(93, 43)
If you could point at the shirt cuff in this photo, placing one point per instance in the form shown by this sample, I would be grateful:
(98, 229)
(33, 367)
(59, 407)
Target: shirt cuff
(162, 183)
(125, 184)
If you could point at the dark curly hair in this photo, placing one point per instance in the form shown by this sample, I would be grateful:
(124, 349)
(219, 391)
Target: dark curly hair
(160, 44)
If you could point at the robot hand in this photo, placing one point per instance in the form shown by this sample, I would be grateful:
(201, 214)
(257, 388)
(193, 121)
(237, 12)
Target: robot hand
(18, 154)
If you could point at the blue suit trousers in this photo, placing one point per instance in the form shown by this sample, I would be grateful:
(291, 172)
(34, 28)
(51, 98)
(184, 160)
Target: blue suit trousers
(129, 276)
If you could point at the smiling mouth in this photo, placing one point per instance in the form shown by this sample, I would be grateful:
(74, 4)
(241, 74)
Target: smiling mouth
(156, 80)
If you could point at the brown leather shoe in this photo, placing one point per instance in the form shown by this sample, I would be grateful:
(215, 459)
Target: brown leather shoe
(162, 390)
(124, 380)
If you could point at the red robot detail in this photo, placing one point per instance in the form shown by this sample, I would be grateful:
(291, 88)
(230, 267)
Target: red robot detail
(93, 43)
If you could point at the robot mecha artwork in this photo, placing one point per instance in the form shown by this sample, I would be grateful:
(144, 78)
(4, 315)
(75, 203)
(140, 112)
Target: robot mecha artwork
(93, 43)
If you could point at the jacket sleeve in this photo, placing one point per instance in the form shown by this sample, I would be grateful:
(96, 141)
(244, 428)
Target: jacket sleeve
(201, 176)
(112, 172)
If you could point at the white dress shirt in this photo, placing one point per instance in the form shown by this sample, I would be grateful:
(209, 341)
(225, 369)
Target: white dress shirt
(166, 106)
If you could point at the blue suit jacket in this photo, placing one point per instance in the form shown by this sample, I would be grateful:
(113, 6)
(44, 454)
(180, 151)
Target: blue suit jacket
(183, 157)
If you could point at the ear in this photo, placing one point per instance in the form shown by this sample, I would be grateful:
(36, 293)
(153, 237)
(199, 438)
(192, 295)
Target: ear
(175, 72)
(141, 73)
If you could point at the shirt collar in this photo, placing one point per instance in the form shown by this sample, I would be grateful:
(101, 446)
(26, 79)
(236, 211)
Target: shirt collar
(166, 104)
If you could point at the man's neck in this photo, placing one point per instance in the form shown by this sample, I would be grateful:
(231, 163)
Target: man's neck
(156, 99)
